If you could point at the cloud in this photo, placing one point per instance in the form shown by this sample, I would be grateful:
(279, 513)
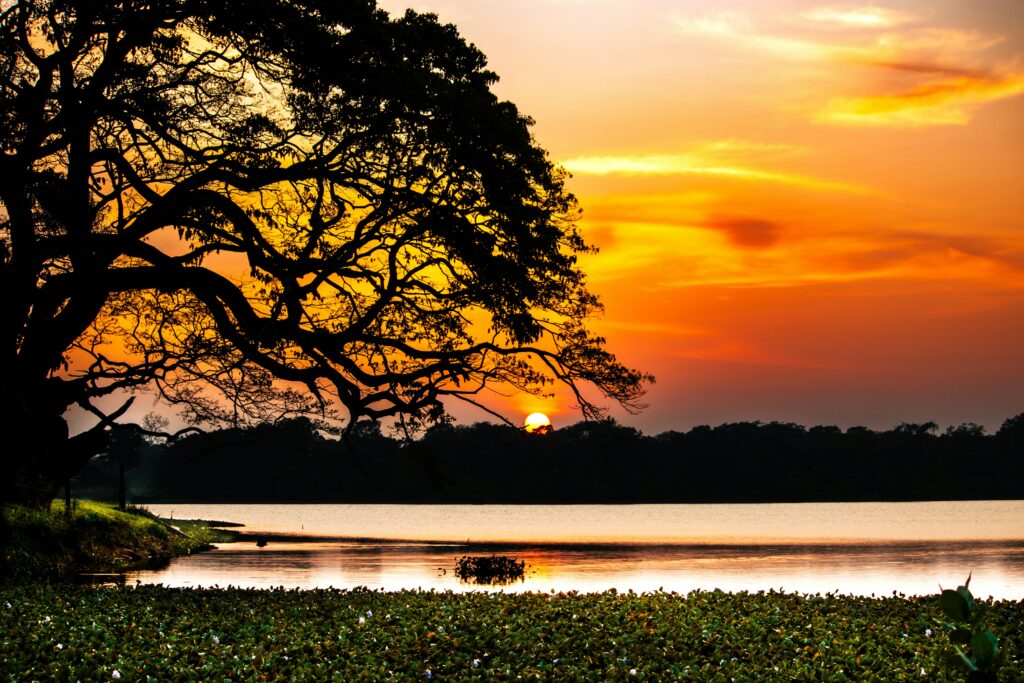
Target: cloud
(945, 75)
(657, 329)
(951, 98)
(870, 16)
(714, 24)
(739, 28)
(752, 233)
(694, 164)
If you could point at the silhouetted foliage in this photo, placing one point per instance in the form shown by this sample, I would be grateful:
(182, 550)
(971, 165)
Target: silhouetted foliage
(399, 236)
(589, 462)
(495, 570)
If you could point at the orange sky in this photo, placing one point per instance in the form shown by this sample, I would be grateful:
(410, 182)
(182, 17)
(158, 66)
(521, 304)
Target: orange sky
(806, 212)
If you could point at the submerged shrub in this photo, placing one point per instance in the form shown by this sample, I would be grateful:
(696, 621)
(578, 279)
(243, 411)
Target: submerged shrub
(493, 570)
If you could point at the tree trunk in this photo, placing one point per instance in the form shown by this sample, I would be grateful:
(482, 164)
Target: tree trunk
(44, 457)
(122, 494)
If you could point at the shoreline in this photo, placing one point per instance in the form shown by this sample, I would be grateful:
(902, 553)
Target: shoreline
(96, 538)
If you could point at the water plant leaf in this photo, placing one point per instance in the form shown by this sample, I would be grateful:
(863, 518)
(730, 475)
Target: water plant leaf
(960, 635)
(968, 598)
(167, 634)
(985, 648)
(955, 605)
(967, 661)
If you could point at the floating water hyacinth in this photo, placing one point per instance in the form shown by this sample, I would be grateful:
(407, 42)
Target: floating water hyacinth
(308, 635)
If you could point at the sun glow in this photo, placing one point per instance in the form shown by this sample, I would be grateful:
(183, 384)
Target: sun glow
(537, 423)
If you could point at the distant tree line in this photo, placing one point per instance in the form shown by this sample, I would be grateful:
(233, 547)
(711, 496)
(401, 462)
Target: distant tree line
(588, 462)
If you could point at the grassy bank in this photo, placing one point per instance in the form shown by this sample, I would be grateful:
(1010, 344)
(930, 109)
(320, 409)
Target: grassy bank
(69, 633)
(93, 537)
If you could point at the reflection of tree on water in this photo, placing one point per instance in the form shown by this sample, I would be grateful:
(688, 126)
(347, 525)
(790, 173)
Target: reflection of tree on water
(496, 570)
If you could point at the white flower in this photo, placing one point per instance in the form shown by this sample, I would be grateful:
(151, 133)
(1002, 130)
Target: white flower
(46, 620)
(216, 640)
(362, 620)
(632, 672)
(928, 632)
(923, 672)
(115, 674)
(9, 606)
(476, 663)
(59, 646)
(369, 613)
(430, 674)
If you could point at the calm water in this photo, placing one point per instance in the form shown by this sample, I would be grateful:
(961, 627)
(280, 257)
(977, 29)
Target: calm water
(853, 548)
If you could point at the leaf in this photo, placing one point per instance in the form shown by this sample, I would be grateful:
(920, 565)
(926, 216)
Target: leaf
(960, 635)
(985, 648)
(965, 659)
(955, 605)
(968, 598)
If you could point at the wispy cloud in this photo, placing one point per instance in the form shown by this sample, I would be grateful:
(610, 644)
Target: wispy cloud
(726, 24)
(747, 231)
(870, 16)
(943, 100)
(656, 328)
(694, 164)
(947, 74)
(739, 28)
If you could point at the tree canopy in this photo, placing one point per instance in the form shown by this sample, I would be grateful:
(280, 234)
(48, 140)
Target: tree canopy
(265, 208)
(598, 461)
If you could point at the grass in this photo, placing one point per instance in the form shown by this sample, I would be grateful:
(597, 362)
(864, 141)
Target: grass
(155, 633)
(94, 537)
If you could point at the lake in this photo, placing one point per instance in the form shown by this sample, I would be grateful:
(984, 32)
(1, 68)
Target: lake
(849, 548)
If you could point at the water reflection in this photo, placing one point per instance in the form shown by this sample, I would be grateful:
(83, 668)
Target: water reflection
(912, 568)
(853, 548)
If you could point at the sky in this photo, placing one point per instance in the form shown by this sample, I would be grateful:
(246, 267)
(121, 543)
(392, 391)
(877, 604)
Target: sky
(806, 212)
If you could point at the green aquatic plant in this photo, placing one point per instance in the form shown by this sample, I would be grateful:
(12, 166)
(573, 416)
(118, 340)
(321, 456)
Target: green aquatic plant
(493, 570)
(974, 649)
(53, 632)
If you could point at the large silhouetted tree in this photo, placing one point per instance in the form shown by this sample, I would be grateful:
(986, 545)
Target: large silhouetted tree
(263, 208)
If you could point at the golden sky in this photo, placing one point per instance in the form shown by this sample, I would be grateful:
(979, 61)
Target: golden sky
(806, 212)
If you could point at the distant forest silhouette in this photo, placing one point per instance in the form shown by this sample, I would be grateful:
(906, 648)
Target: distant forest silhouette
(588, 462)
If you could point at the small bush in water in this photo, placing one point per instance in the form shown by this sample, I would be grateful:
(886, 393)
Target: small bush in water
(489, 570)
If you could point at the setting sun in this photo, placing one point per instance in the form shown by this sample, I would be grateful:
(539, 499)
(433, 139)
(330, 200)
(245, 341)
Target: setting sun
(537, 423)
